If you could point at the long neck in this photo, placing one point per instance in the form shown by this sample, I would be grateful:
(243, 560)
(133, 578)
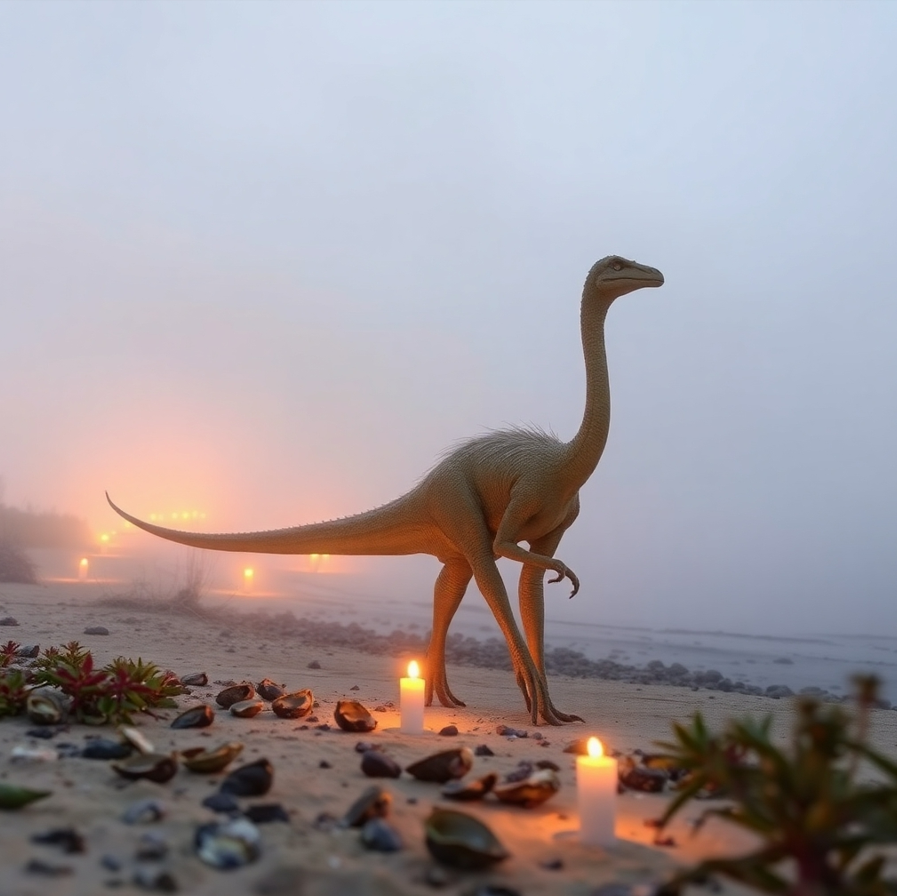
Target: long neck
(586, 447)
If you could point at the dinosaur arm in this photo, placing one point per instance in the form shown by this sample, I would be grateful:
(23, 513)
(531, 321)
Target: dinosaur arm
(518, 513)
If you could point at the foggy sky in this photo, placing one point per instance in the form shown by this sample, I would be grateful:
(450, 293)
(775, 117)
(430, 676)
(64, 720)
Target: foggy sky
(271, 259)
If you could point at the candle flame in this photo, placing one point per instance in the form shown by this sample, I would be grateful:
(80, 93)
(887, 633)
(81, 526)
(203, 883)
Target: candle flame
(596, 751)
(413, 669)
(83, 563)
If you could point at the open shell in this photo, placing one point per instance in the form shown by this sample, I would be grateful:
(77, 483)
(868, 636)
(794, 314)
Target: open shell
(44, 707)
(252, 779)
(203, 761)
(269, 690)
(196, 717)
(295, 705)
(442, 767)
(350, 715)
(235, 694)
(462, 841)
(467, 791)
(156, 767)
(532, 791)
(373, 803)
(246, 709)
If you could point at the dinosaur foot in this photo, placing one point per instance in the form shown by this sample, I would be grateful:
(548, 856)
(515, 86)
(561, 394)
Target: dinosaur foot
(541, 707)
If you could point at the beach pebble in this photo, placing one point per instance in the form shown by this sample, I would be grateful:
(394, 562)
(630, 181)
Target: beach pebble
(507, 731)
(264, 813)
(449, 731)
(29, 651)
(103, 748)
(229, 844)
(376, 764)
(8, 620)
(784, 661)
(38, 866)
(152, 847)
(155, 880)
(110, 862)
(96, 630)
(143, 812)
(68, 839)
(777, 691)
(253, 779)
(314, 664)
(42, 733)
(195, 680)
(483, 750)
(221, 802)
(380, 836)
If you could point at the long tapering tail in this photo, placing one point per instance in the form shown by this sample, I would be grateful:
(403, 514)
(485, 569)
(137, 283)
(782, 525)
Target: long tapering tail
(393, 528)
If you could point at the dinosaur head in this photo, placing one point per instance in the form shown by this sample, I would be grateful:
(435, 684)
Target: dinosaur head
(614, 276)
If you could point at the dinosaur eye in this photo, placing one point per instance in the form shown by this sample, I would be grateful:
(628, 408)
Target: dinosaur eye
(617, 266)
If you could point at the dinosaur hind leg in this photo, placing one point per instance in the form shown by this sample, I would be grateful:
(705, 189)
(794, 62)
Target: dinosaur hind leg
(532, 610)
(451, 584)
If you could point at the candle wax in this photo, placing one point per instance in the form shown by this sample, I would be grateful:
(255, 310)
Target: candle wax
(412, 704)
(596, 791)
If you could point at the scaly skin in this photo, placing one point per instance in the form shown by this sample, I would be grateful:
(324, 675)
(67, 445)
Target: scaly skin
(478, 504)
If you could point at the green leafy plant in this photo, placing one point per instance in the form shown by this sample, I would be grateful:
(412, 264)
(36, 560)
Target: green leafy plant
(96, 695)
(819, 828)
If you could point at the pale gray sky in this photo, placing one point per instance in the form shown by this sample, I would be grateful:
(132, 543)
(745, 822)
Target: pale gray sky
(271, 259)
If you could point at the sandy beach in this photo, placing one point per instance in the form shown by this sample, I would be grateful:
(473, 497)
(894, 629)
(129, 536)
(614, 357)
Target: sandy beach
(317, 772)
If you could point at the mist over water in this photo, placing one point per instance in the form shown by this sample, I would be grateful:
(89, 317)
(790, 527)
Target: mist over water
(265, 264)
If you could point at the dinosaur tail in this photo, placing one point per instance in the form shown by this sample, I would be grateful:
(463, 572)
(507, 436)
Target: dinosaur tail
(391, 529)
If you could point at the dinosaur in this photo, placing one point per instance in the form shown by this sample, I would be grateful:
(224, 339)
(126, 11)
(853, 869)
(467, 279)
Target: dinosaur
(477, 504)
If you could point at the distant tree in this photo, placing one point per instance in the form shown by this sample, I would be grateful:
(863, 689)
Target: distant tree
(15, 565)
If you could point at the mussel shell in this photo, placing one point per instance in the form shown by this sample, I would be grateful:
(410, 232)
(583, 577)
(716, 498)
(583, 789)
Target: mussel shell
(252, 779)
(157, 767)
(350, 715)
(530, 792)
(195, 680)
(229, 844)
(235, 694)
(467, 791)
(104, 748)
(196, 717)
(295, 705)
(269, 690)
(246, 709)
(136, 739)
(637, 777)
(45, 707)
(462, 841)
(373, 803)
(442, 767)
(375, 764)
(203, 761)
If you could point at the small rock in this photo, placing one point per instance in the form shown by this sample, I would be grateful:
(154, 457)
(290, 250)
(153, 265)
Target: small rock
(777, 691)
(155, 880)
(314, 664)
(552, 864)
(221, 802)
(324, 764)
(8, 620)
(363, 746)
(110, 862)
(103, 748)
(42, 733)
(67, 838)
(507, 731)
(263, 813)
(449, 731)
(483, 750)
(29, 651)
(252, 779)
(376, 764)
(151, 848)
(38, 866)
(354, 688)
(143, 812)
(195, 680)
(380, 836)
(784, 661)
(96, 630)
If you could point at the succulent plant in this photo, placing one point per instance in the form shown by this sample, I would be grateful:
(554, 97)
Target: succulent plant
(821, 830)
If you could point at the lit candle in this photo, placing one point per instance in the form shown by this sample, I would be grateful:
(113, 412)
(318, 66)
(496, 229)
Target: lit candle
(83, 566)
(596, 790)
(412, 700)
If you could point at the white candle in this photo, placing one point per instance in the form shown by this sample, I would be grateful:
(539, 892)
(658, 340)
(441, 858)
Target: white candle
(596, 790)
(412, 700)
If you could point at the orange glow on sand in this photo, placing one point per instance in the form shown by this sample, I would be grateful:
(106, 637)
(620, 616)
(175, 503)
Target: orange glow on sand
(413, 669)
(596, 751)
